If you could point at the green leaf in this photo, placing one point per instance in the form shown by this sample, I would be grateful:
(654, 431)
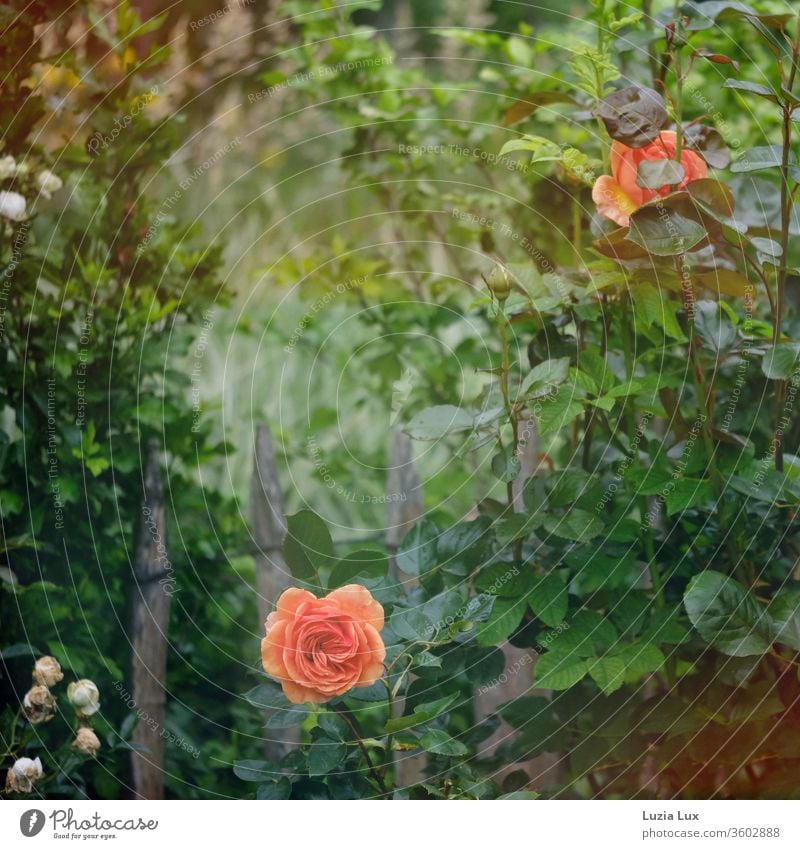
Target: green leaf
(655, 173)
(556, 410)
(308, 546)
(576, 525)
(686, 493)
(542, 378)
(714, 327)
(784, 611)
(663, 231)
(422, 713)
(548, 600)
(287, 718)
(364, 563)
(781, 361)
(436, 422)
(333, 725)
(249, 770)
(506, 465)
(554, 671)
(608, 673)
(268, 696)
(654, 306)
(726, 615)
(416, 554)
(324, 755)
(506, 616)
(751, 88)
(515, 526)
(409, 623)
(761, 158)
(281, 788)
(640, 659)
(441, 743)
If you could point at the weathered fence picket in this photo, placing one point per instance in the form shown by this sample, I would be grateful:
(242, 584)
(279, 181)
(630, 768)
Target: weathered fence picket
(272, 574)
(154, 582)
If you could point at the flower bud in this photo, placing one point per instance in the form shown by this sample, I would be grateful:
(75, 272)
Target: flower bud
(84, 696)
(39, 704)
(86, 741)
(48, 182)
(499, 282)
(47, 671)
(8, 167)
(21, 776)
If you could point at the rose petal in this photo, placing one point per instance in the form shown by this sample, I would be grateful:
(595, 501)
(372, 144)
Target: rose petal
(359, 603)
(611, 200)
(272, 648)
(291, 599)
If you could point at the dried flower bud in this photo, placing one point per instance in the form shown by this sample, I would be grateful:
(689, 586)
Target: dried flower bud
(499, 282)
(86, 741)
(47, 671)
(84, 696)
(21, 776)
(39, 704)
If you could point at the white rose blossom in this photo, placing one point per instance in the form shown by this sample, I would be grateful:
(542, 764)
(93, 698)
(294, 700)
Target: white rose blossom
(84, 696)
(13, 206)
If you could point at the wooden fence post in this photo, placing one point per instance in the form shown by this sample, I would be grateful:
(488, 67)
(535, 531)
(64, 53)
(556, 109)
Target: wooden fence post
(272, 574)
(154, 580)
(519, 663)
(405, 507)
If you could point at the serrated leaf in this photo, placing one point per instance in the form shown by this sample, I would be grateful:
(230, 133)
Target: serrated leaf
(324, 755)
(436, 422)
(281, 788)
(364, 563)
(608, 673)
(307, 546)
(663, 231)
(441, 743)
(554, 671)
(548, 600)
(784, 610)
(781, 361)
(576, 525)
(726, 615)
(416, 554)
(655, 173)
(506, 615)
(250, 770)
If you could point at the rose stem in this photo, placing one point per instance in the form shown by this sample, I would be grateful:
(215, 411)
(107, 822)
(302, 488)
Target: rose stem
(356, 732)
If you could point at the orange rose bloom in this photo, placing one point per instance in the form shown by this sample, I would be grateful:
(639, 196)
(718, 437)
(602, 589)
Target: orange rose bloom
(618, 196)
(322, 647)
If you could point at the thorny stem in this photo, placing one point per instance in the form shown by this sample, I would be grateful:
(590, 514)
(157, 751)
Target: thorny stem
(630, 427)
(360, 741)
(511, 412)
(783, 268)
